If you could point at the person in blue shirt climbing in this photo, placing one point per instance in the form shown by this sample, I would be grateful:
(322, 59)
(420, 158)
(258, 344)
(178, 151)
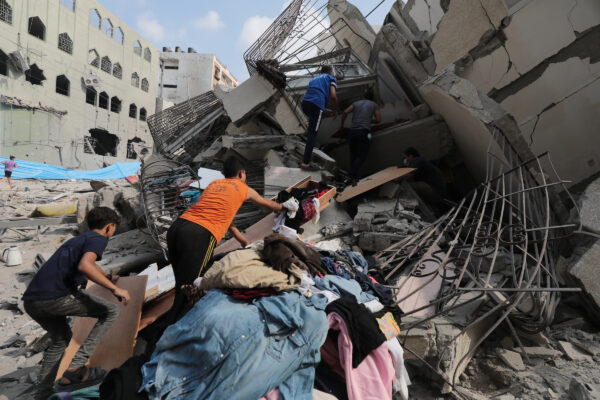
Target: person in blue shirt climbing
(320, 90)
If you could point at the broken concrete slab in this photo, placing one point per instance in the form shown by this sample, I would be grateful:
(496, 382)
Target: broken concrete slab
(125, 200)
(542, 352)
(247, 99)
(572, 352)
(590, 207)
(586, 274)
(281, 178)
(377, 241)
(512, 359)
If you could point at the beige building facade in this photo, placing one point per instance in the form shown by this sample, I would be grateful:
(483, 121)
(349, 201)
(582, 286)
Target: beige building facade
(76, 84)
(184, 75)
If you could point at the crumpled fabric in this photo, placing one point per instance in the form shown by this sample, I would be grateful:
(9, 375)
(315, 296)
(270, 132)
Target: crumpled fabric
(402, 379)
(225, 348)
(247, 269)
(291, 205)
(281, 253)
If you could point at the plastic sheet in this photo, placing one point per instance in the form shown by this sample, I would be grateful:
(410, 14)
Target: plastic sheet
(30, 169)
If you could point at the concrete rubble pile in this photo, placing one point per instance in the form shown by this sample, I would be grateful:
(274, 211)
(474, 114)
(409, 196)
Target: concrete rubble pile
(499, 289)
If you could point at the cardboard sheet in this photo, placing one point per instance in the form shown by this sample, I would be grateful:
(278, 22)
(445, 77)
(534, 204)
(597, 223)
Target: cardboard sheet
(373, 181)
(116, 346)
(156, 309)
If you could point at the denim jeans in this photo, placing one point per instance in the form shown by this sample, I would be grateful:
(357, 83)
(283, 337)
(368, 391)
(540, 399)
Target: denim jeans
(225, 348)
(52, 316)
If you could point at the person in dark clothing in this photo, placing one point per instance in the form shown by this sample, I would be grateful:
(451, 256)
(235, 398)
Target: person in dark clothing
(364, 112)
(55, 292)
(427, 180)
(321, 88)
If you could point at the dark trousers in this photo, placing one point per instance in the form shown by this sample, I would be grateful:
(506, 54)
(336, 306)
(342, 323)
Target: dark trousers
(314, 114)
(52, 316)
(358, 140)
(190, 248)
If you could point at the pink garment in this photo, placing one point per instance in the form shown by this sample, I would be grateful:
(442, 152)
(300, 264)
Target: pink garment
(372, 379)
(272, 395)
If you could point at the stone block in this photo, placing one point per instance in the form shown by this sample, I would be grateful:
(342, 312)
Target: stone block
(394, 225)
(542, 352)
(377, 241)
(362, 222)
(572, 352)
(389, 190)
(586, 274)
(248, 98)
(512, 359)
(590, 207)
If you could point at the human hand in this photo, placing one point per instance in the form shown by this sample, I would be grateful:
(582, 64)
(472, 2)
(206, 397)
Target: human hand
(122, 295)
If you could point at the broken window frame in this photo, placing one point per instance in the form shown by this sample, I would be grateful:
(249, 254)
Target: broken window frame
(137, 47)
(135, 80)
(4, 61)
(65, 43)
(63, 85)
(97, 147)
(36, 28)
(89, 91)
(69, 4)
(145, 86)
(132, 111)
(106, 65)
(143, 114)
(147, 54)
(35, 75)
(95, 19)
(107, 27)
(95, 62)
(118, 35)
(115, 105)
(117, 71)
(103, 100)
(6, 14)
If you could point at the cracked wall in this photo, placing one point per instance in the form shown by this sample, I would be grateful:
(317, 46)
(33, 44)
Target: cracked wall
(540, 63)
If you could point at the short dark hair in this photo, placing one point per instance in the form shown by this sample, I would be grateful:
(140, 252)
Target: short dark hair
(99, 217)
(326, 69)
(232, 166)
(12, 157)
(370, 94)
(411, 151)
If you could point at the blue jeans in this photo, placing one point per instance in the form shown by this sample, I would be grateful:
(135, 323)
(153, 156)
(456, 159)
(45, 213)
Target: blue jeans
(225, 348)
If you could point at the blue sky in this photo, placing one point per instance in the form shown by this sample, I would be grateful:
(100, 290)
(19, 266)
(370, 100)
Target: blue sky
(223, 27)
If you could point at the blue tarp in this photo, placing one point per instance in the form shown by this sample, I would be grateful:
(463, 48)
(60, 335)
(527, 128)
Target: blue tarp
(29, 169)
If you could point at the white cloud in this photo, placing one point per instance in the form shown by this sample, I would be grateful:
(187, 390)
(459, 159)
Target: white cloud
(252, 29)
(212, 20)
(150, 27)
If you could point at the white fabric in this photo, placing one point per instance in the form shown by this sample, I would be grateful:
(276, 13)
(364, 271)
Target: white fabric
(291, 205)
(317, 206)
(307, 288)
(374, 306)
(402, 378)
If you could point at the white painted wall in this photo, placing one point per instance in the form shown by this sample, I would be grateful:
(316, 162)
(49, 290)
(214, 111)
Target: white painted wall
(45, 137)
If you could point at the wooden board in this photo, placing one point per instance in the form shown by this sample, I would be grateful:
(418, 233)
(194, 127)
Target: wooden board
(373, 181)
(116, 346)
(156, 309)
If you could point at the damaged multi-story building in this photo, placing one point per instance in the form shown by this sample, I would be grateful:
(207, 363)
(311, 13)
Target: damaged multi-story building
(76, 84)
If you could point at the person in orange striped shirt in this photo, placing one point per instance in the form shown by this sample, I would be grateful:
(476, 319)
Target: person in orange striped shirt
(192, 238)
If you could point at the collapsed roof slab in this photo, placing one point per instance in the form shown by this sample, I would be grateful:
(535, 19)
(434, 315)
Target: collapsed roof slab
(430, 135)
(248, 99)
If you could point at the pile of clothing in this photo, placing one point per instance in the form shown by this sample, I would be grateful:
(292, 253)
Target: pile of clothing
(282, 320)
(303, 206)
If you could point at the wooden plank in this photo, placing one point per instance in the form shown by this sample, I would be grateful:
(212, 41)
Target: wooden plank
(373, 181)
(41, 221)
(155, 309)
(116, 346)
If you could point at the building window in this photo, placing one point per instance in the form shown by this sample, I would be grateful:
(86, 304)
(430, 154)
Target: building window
(103, 100)
(5, 12)
(135, 79)
(133, 111)
(171, 66)
(93, 58)
(145, 85)
(147, 54)
(142, 114)
(3, 63)
(37, 28)
(106, 65)
(115, 105)
(63, 86)
(170, 86)
(217, 73)
(70, 4)
(65, 43)
(118, 35)
(90, 95)
(34, 75)
(107, 27)
(95, 18)
(101, 142)
(137, 48)
(117, 71)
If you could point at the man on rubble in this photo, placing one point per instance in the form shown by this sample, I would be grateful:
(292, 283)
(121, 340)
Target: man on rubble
(321, 88)
(427, 180)
(364, 112)
(192, 238)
